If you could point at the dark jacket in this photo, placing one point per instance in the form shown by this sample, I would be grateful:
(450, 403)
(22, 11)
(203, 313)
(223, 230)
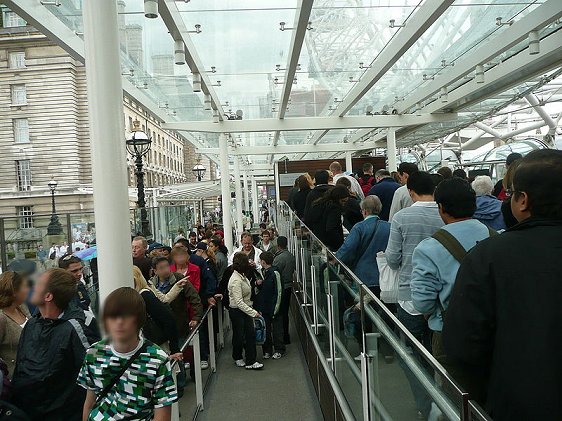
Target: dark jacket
(145, 266)
(299, 201)
(503, 327)
(208, 286)
(268, 299)
(291, 197)
(163, 319)
(314, 194)
(50, 354)
(286, 264)
(326, 224)
(352, 213)
(488, 211)
(91, 327)
(384, 190)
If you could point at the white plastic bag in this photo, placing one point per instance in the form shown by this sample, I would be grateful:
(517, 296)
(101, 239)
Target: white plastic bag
(388, 280)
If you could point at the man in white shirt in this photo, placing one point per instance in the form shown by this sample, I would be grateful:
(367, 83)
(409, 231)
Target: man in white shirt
(248, 248)
(336, 169)
(402, 197)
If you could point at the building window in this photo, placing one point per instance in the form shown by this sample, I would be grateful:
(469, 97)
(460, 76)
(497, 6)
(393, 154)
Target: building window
(23, 169)
(19, 95)
(130, 124)
(12, 20)
(25, 214)
(17, 60)
(21, 130)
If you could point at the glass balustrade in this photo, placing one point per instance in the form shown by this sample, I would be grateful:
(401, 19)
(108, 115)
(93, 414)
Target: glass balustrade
(384, 372)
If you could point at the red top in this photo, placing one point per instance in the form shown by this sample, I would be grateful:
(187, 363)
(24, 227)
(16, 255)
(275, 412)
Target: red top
(193, 272)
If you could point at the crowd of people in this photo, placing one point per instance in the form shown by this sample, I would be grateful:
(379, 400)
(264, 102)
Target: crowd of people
(60, 360)
(477, 268)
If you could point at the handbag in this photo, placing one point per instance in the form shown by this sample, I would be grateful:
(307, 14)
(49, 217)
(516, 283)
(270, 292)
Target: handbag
(388, 280)
(259, 326)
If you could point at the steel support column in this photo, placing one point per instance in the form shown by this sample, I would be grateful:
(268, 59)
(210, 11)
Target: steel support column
(238, 198)
(109, 162)
(391, 149)
(225, 192)
(255, 204)
(348, 162)
(246, 190)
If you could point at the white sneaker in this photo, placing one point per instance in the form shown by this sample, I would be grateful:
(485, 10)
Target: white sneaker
(204, 365)
(267, 356)
(255, 366)
(277, 355)
(240, 363)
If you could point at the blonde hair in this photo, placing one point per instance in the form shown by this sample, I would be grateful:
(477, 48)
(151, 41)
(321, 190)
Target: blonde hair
(211, 255)
(139, 279)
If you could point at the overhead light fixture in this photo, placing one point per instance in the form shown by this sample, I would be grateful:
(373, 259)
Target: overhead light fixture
(444, 95)
(362, 65)
(179, 52)
(151, 9)
(534, 43)
(479, 73)
(499, 22)
(207, 102)
(196, 82)
(351, 80)
(393, 24)
(197, 29)
(426, 77)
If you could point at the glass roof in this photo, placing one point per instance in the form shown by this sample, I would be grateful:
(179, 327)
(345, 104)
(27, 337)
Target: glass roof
(244, 48)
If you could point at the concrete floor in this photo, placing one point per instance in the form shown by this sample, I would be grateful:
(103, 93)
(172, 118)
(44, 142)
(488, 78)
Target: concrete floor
(281, 391)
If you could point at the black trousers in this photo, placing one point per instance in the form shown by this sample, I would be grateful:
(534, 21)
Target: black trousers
(284, 312)
(243, 336)
(273, 334)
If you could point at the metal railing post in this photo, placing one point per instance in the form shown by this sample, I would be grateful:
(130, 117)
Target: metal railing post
(316, 325)
(197, 369)
(69, 233)
(331, 339)
(221, 324)
(212, 353)
(372, 351)
(3, 246)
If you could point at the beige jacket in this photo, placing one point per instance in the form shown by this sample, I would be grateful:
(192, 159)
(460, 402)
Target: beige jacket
(10, 333)
(240, 294)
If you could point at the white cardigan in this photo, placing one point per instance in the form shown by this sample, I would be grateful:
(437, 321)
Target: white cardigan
(240, 294)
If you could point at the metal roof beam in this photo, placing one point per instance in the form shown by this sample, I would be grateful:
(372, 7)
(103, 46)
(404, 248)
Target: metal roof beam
(170, 14)
(414, 28)
(308, 123)
(541, 16)
(300, 148)
(534, 102)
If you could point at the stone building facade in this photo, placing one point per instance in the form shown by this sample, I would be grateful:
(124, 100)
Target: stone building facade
(44, 129)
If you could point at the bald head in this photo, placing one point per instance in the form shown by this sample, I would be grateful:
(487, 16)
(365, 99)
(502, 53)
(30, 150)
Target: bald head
(335, 167)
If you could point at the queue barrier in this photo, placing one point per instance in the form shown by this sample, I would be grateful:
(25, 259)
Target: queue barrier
(365, 384)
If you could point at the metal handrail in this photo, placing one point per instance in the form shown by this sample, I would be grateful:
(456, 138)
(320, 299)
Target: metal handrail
(194, 332)
(416, 345)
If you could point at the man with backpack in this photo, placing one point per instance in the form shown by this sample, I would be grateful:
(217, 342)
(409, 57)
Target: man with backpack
(436, 259)
(367, 180)
(50, 353)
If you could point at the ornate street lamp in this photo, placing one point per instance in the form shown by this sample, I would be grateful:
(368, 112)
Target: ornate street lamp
(54, 227)
(138, 145)
(199, 171)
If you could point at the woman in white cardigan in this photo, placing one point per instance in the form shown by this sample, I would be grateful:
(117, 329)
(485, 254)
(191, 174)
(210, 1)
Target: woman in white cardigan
(242, 314)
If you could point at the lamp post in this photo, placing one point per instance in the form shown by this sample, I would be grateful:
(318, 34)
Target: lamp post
(138, 145)
(199, 171)
(54, 227)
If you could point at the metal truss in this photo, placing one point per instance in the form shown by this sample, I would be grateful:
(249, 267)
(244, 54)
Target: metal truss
(309, 123)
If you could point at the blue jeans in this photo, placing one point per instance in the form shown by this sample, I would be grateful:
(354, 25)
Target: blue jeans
(417, 325)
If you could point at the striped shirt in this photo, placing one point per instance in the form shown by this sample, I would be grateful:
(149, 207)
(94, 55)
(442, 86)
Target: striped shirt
(408, 228)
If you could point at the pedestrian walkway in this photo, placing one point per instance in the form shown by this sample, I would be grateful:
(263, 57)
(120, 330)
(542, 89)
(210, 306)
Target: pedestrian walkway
(281, 391)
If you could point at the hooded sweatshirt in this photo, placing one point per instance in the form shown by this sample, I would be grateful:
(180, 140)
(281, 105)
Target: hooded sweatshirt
(488, 211)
